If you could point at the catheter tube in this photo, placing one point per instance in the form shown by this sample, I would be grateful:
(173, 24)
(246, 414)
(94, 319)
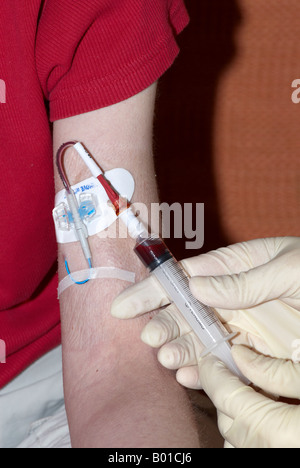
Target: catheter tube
(59, 163)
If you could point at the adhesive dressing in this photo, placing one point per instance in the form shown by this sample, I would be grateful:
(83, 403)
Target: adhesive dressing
(93, 202)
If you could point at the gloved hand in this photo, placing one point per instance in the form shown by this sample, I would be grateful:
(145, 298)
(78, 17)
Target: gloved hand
(246, 418)
(255, 289)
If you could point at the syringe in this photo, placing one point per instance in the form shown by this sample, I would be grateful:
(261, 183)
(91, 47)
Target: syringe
(202, 319)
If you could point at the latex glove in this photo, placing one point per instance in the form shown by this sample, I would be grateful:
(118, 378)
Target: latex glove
(246, 418)
(259, 297)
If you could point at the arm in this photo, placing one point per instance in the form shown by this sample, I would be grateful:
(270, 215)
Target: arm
(116, 393)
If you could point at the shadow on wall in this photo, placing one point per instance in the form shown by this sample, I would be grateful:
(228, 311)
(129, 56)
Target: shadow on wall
(185, 115)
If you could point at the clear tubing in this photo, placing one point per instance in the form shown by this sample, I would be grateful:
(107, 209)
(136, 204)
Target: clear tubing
(201, 318)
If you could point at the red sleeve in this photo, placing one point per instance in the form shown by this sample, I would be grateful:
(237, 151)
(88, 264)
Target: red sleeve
(94, 53)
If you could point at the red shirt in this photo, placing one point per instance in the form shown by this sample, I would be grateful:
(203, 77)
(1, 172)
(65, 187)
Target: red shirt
(59, 58)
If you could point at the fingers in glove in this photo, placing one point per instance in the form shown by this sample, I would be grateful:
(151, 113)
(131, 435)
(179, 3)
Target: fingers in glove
(244, 290)
(166, 326)
(189, 377)
(265, 424)
(226, 391)
(143, 297)
(257, 421)
(181, 352)
(276, 376)
(233, 259)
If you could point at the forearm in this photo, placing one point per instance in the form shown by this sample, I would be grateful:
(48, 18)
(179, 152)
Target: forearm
(116, 393)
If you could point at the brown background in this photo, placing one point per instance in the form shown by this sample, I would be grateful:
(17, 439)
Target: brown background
(227, 133)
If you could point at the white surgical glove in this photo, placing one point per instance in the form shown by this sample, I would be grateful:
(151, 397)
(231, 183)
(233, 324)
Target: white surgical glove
(254, 288)
(246, 418)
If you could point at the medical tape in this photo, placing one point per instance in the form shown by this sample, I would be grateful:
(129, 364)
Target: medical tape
(96, 273)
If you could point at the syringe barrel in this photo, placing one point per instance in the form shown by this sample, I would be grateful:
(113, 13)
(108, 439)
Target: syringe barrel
(152, 251)
(202, 319)
(159, 260)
